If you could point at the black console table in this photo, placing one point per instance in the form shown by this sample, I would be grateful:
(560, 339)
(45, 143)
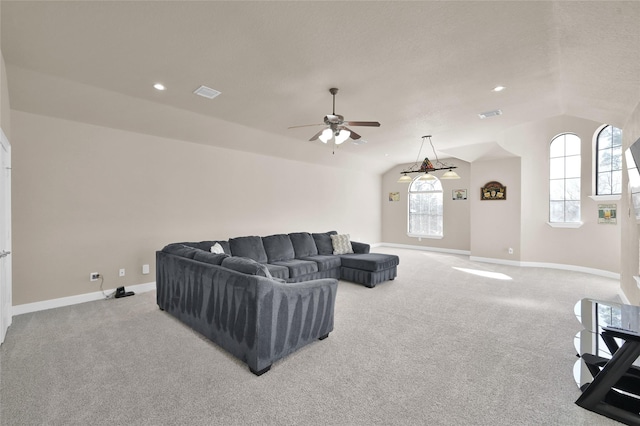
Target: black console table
(609, 347)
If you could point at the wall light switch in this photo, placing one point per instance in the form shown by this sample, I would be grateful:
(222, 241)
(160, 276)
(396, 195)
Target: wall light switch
(145, 269)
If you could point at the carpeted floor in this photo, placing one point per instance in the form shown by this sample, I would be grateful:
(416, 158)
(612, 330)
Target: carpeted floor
(440, 345)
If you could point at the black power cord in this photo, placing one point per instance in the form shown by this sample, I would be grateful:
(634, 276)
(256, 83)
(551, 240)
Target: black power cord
(106, 296)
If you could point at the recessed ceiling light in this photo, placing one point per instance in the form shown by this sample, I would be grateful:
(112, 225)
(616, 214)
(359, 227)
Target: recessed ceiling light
(159, 86)
(499, 88)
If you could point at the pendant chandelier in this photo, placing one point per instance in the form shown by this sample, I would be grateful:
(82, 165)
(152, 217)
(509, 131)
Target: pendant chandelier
(427, 166)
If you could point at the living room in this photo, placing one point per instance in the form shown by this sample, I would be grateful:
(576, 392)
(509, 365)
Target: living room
(102, 178)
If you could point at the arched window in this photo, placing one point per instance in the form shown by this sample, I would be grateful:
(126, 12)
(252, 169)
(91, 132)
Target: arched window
(564, 179)
(609, 161)
(425, 207)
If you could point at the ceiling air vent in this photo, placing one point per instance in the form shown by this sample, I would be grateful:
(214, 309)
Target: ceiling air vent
(206, 92)
(488, 114)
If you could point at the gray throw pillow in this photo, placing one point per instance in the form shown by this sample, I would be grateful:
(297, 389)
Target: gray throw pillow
(341, 244)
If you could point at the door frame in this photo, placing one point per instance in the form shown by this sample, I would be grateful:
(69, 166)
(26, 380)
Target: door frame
(6, 315)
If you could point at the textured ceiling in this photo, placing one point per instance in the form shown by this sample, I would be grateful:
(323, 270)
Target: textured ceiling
(417, 67)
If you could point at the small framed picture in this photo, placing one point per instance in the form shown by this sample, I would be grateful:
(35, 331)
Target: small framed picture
(394, 196)
(459, 194)
(607, 213)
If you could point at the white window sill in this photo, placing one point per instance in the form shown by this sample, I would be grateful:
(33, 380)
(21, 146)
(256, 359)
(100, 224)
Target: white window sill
(565, 224)
(432, 237)
(615, 197)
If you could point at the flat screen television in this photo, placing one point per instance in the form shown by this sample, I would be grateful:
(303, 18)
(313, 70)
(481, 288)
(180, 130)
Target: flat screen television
(632, 155)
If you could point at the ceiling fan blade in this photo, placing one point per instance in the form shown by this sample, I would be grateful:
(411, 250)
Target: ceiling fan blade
(316, 136)
(306, 125)
(353, 134)
(363, 123)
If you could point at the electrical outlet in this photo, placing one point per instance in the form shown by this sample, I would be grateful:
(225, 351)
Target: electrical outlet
(122, 272)
(510, 250)
(145, 269)
(94, 276)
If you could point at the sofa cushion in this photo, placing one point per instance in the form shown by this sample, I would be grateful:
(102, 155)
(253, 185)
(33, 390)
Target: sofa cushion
(206, 245)
(341, 244)
(180, 249)
(246, 266)
(298, 268)
(325, 263)
(278, 271)
(207, 257)
(278, 247)
(250, 247)
(370, 262)
(303, 244)
(323, 242)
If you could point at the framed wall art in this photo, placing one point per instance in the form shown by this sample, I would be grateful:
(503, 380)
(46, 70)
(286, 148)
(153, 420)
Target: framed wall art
(607, 213)
(493, 191)
(459, 194)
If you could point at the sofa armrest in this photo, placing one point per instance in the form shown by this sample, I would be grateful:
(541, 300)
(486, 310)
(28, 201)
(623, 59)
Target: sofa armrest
(289, 316)
(361, 248)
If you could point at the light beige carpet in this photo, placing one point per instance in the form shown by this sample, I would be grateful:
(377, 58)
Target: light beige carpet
(437, 346)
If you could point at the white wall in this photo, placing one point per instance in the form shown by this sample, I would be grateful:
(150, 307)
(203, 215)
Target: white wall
(95, 199)
(520, 222)
(456, 213)
(593, 245)
(495, 224)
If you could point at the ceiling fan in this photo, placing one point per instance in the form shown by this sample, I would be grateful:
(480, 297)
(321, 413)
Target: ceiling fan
(336, 126)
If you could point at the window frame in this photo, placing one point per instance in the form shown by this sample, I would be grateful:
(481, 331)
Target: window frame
(576, 157)
(439, 217)
(614, 130)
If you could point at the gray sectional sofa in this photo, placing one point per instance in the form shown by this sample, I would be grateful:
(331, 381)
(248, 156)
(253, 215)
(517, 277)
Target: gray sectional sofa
(262, 298)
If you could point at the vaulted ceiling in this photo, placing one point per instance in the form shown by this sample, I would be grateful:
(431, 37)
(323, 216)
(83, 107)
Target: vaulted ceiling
(416, 67)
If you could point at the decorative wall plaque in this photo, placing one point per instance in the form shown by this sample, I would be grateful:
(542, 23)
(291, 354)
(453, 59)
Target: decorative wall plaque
(493, 191)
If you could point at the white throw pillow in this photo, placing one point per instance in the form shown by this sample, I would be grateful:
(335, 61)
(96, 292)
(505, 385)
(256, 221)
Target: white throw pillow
(341, 244)
(217, 249)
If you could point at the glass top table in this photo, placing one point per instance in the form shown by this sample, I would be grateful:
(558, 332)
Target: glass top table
(608, 371)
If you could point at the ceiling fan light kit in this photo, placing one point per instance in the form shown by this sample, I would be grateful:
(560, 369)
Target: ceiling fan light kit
(337, 130)
(427, 166)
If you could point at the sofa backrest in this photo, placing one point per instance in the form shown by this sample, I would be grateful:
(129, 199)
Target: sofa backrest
(246, 266)
(303, 244)
(206, 245)
(208, 257)
(250, 247)
(181, 249)
(323, 242)
(278, 247)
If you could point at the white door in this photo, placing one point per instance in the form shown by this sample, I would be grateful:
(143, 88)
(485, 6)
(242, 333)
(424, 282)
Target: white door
(5, 235)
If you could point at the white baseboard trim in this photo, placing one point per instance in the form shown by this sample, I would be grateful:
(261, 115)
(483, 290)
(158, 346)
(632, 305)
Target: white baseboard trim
(593, 271)
(423, 248)
(74, 300)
